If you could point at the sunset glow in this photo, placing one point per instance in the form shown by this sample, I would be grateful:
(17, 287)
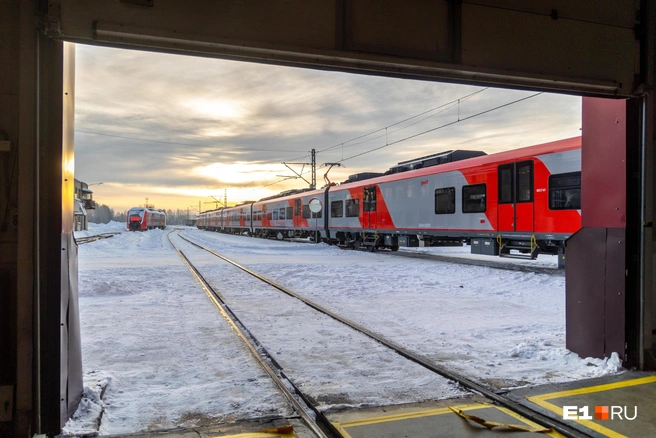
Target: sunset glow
(179, 129)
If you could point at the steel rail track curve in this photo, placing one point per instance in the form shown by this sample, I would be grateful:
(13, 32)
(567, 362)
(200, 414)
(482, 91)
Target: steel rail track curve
(412, 356)
(258, 351)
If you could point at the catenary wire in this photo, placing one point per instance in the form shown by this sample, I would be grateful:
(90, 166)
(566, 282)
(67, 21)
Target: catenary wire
(174, 143)
(425, 132)
(441, 126)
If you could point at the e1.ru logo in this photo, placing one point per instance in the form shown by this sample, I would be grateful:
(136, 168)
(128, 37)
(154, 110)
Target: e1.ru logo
(600, 413)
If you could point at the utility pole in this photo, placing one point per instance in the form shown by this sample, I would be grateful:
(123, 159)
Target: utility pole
(216, 202)
(314, 171)
(313, 164)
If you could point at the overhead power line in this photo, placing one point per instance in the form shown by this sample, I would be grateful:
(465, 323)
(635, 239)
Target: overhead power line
(344, 143)
(424, 132)
(442, 126)
(448, 104)
(176, 143)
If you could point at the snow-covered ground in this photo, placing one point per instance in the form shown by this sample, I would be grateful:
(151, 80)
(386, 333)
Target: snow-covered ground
(167, 358)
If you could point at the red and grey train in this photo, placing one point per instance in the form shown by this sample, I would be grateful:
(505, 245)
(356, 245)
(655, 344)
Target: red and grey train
(141, 219)
(526, 200)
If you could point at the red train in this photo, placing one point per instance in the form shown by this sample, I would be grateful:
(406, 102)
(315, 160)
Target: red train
(141, 219)
(526, 201)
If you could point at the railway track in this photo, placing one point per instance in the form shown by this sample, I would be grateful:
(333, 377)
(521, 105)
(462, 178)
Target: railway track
(317, 422)
(89, 239)
(322, 426)
(493, 262)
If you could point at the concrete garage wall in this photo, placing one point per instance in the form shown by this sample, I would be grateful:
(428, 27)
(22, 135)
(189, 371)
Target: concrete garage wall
(40, 365)
(595, 292)
(595, 273)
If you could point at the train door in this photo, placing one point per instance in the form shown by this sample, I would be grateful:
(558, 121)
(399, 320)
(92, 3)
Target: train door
(369, 207)
(297, 213)
(515, 210)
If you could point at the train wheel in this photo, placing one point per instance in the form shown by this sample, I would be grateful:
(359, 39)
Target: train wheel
(394, 248)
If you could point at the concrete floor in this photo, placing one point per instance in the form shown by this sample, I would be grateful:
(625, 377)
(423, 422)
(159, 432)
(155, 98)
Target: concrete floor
(630, 399)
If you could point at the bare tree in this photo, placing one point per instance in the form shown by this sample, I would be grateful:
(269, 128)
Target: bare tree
(102, 214)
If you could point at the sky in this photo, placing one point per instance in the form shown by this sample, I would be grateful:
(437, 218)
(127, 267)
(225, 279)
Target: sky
(180, 130)
(166, 357)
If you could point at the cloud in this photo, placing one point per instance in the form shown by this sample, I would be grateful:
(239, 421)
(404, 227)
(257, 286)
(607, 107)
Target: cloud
(151, 122)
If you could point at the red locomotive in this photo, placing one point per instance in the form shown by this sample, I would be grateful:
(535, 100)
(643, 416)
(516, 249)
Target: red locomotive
(526, 200)
(141, 219)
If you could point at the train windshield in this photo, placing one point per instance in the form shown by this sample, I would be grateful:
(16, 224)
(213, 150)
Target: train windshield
(136, 212)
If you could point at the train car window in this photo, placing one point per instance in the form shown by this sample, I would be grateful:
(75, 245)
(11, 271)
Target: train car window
(307, 214)
(269, 216)
(565, 191)
(525, 181)
(289, 212)
(282, 215)
(506, 184)
(473, 198)
(274, 215)
(352, 207)
(336, 209)
(369, 198)
(445, 200)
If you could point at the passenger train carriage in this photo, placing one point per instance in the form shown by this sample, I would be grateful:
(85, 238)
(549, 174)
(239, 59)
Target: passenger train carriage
(141, 219)
(289, 216)
(526, 200)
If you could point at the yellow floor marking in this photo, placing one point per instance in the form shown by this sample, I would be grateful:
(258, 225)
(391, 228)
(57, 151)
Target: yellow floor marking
(416, 414)
(341, 427)
(527, 421)
(541, 400)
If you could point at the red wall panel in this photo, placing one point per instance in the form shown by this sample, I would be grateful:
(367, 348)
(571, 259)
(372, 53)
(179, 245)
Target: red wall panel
(603, 163)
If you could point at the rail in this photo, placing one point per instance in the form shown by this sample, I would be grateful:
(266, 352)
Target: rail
(410, 355)
(262, 356)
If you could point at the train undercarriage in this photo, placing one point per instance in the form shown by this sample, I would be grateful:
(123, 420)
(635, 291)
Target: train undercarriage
(521, 246)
